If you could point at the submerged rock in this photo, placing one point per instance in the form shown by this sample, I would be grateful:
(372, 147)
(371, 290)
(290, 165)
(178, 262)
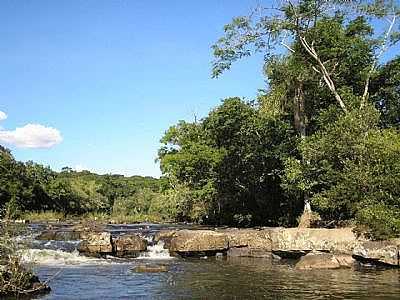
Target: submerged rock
(150, 268)
(379, 252)
(314, 260)
(97, 244)
(129, 245)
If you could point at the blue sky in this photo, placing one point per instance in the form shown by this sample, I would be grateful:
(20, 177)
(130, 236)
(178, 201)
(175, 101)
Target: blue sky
(112, 76)
(105, 79)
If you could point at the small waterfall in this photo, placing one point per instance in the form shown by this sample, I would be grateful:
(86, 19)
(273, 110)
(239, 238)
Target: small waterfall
(155, 251)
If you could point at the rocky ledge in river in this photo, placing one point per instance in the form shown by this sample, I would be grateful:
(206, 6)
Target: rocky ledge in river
(100, 244)
(315, 247)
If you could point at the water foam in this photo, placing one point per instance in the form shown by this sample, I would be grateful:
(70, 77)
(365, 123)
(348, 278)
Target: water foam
(58, 258)
(156, 251)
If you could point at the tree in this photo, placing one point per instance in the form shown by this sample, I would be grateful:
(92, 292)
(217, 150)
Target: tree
(227, 166)
(329, 40)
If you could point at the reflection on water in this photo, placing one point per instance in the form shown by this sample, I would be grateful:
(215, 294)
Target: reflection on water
(219, 279)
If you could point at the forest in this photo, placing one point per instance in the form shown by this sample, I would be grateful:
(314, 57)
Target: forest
(322, 136)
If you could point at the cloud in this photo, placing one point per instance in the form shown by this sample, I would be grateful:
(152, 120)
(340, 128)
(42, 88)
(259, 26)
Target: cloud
(3, 115)
(31, 136)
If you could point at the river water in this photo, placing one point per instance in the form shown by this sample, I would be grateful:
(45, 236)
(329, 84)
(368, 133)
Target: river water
(77, 277)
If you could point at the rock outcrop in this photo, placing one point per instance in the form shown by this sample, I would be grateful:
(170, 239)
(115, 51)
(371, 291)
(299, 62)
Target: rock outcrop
(341, 240)
(197, 242)
(129, 245)
(97, 244)
(58, 235)
(379, 252)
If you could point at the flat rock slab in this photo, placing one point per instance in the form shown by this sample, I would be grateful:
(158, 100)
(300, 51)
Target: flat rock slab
(198, 241)
(341, 240)
(251, 238)
(58, 235)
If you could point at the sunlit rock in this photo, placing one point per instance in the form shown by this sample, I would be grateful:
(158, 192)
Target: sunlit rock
(129, 245)
(96, 244)
(192, 242)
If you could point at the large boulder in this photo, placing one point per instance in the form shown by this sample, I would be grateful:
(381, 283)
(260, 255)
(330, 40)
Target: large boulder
(304, 240)
(96, 244)
(129, 245)
(198, 242)
(379, 252)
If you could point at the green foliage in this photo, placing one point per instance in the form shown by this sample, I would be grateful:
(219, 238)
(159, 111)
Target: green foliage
(378, 221)
(351, 168)
(225, 168)
(385, 93)
(31, 187)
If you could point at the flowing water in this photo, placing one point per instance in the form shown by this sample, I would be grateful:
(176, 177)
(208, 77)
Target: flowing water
(76, 277)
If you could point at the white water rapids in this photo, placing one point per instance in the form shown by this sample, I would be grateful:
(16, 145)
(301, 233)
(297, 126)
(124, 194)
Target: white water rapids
(58, 257)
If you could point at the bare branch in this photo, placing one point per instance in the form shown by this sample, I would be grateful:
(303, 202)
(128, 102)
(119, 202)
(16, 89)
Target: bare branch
(383, 48)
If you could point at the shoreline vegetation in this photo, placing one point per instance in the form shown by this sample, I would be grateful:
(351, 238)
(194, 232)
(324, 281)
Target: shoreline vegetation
(16, 278)
(319, 146)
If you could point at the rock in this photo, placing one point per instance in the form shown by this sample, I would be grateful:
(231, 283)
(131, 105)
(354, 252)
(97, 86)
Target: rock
(150, 269)
(304, 240)
(129, 245)
(165, 236)
(345, 261)
(248, 252)
(198, 242)
(378, 252)
(97, 244)
(47, 235)
(252, 238)
(59, 235)
(318, 261)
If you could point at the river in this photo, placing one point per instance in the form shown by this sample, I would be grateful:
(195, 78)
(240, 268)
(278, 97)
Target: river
(76, 277)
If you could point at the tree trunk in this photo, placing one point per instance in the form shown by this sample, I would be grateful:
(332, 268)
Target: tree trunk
(300, 124)
(299, 110)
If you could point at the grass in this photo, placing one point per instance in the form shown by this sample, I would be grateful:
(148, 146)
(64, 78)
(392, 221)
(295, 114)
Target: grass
(43, 216)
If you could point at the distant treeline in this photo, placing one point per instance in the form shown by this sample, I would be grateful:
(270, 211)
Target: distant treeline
(33, 187)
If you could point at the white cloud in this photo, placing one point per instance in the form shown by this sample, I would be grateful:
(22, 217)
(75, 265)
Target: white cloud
(31, 136)
(3, 115)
